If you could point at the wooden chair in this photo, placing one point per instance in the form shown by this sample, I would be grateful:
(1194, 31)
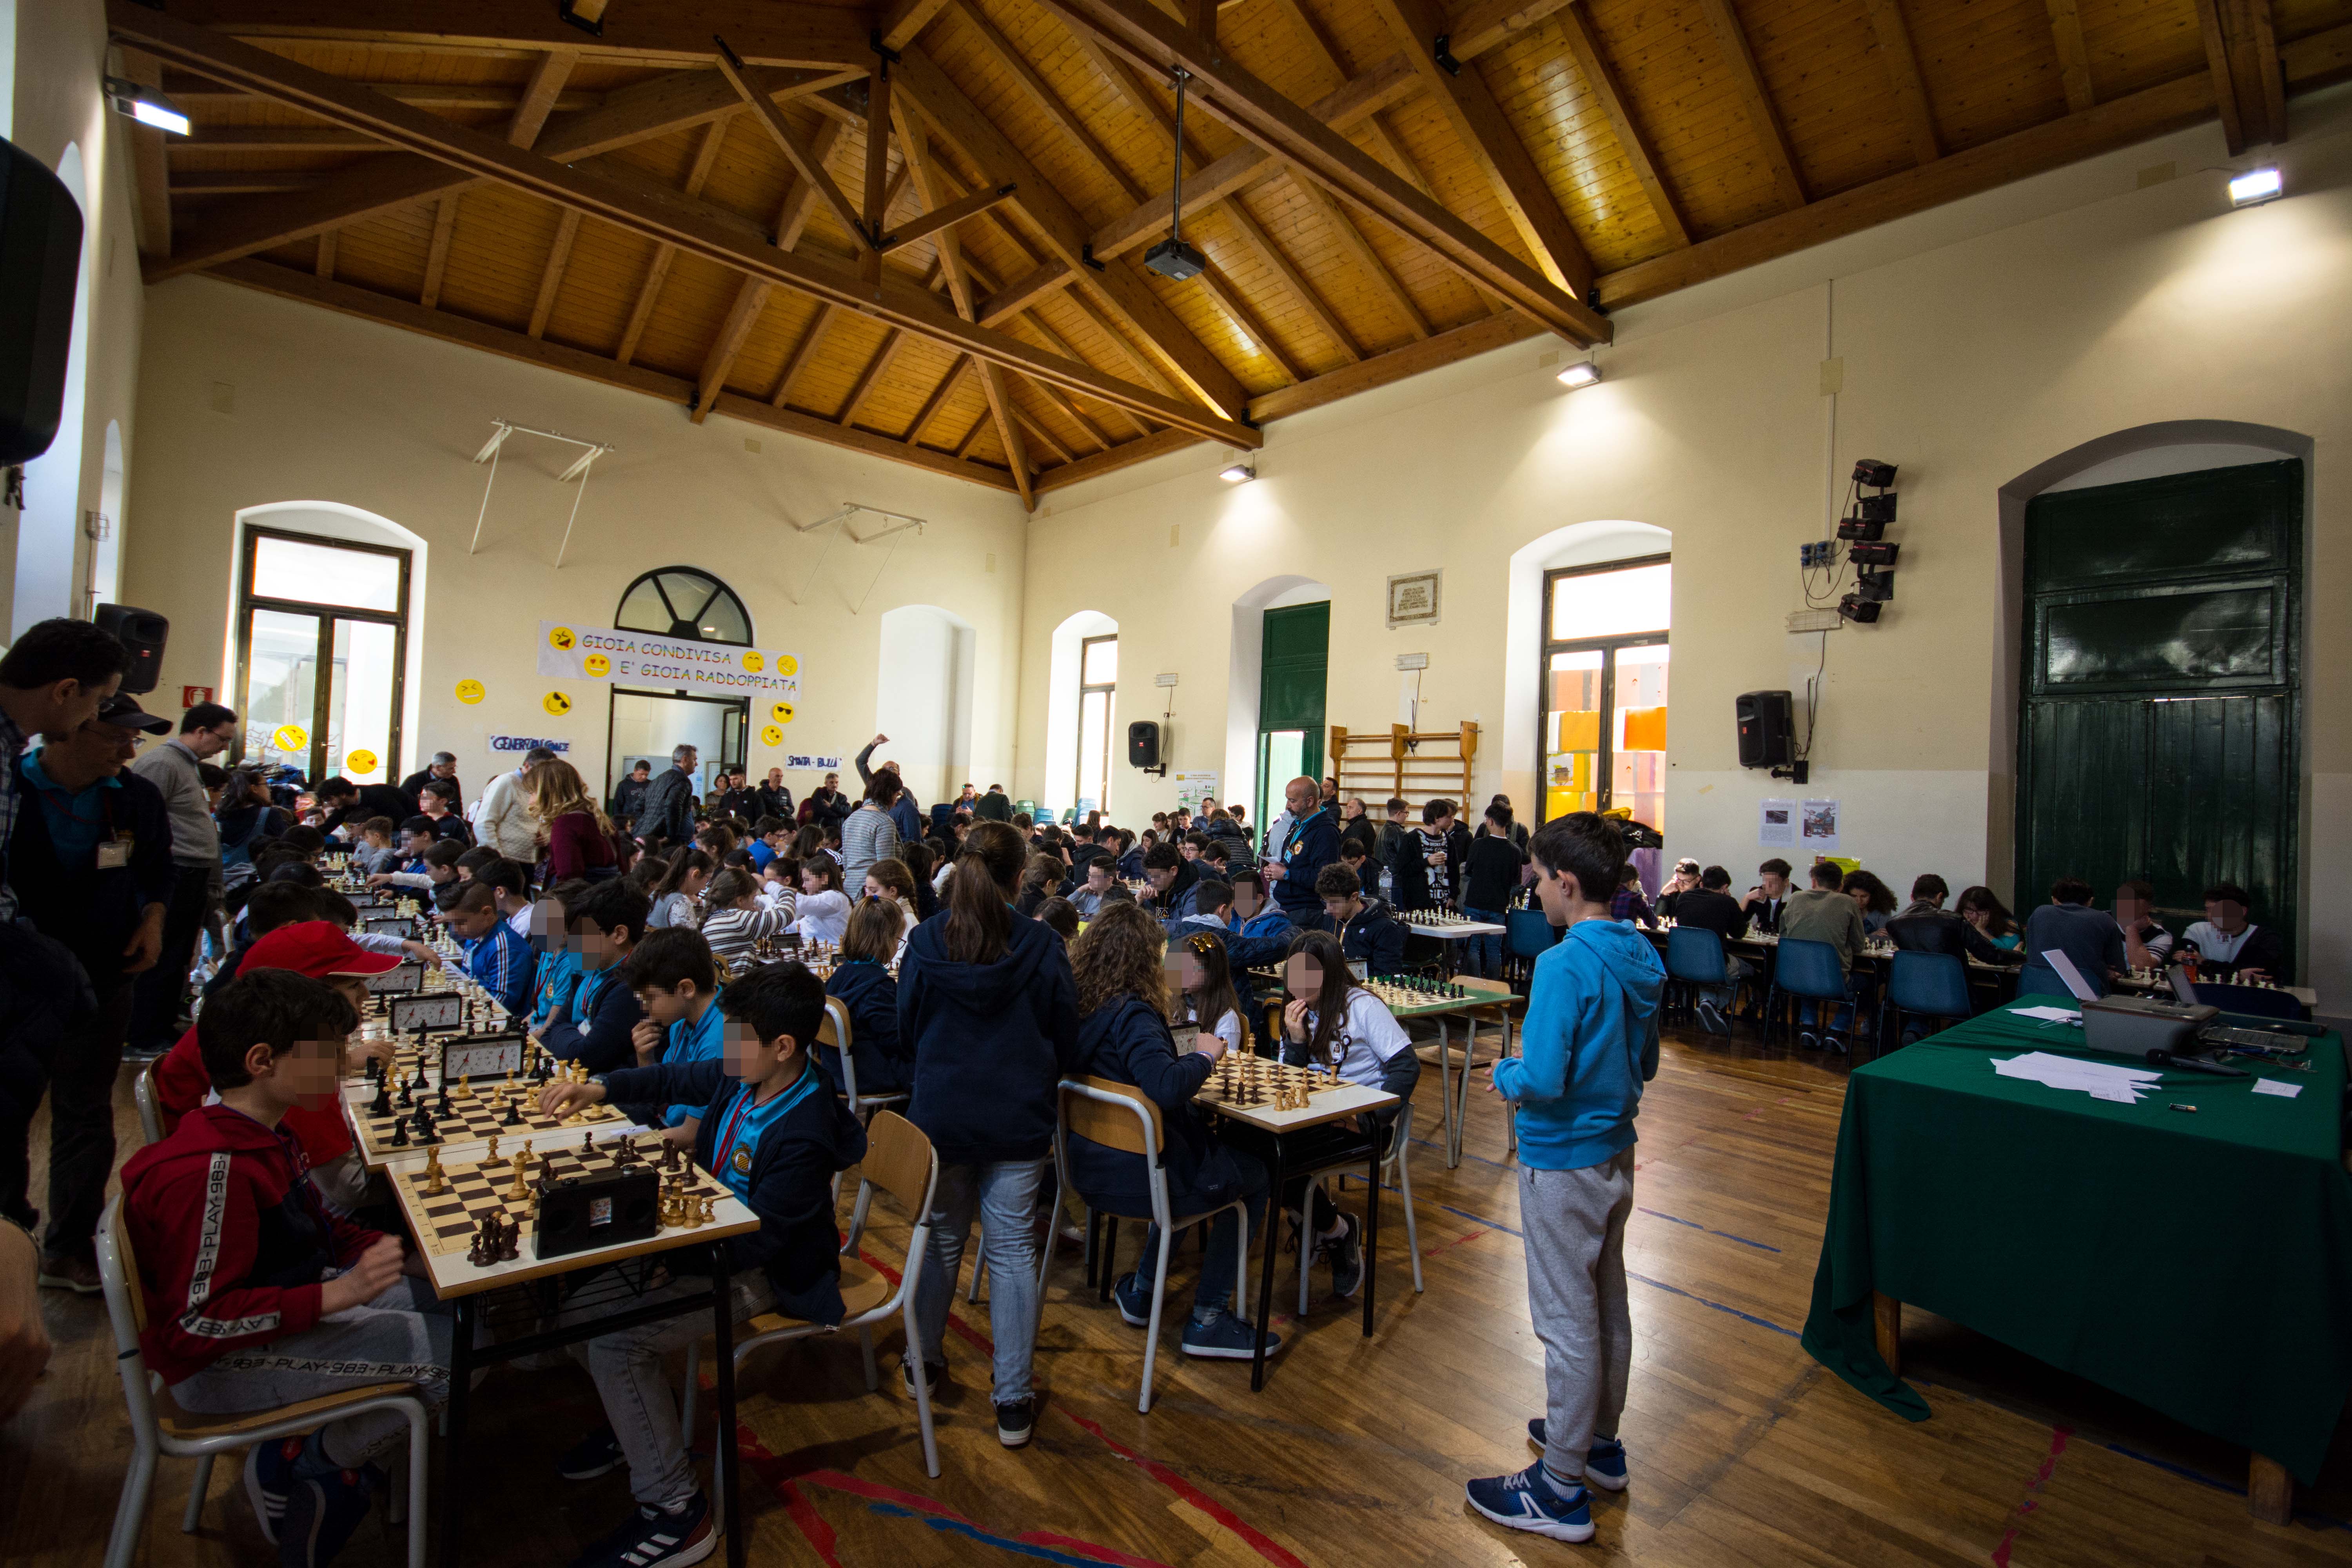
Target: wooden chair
(899, 1160)
(1121, 1116)
(142, 1091)
(835, 1032)
(159, 1427)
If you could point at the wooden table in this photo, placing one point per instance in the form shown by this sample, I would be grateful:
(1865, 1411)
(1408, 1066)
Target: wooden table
(529, 1283)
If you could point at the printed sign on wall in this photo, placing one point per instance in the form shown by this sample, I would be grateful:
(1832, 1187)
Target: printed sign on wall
(572, 652)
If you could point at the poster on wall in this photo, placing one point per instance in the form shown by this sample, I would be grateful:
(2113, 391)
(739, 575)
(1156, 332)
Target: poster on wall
(1192, 789)
(1775, 824)
(502, 746)
(569, 651)
(1817, 826)
(811, 762)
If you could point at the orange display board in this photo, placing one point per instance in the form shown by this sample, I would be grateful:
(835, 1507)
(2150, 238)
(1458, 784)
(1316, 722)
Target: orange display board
(1646, 729)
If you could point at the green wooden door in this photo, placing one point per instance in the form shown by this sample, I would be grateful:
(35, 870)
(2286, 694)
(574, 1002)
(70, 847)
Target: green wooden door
(1295, 656)
(2157, 724)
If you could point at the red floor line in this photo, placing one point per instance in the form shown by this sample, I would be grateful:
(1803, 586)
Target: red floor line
(1258, 1541)
(919, 1504)
(2048, 1468)
(1457, 1241)
(961, 1330)
(810, 1523)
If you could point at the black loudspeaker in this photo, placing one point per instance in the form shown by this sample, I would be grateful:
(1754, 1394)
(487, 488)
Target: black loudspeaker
(1766, 738)
(1143, 743)
(141, 631)
(40, 254)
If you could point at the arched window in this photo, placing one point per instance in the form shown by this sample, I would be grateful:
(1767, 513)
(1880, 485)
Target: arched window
(684, 602)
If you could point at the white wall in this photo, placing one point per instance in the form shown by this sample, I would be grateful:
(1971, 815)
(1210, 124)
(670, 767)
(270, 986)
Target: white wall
(328, 411)
(923, 700)
(1977, 341)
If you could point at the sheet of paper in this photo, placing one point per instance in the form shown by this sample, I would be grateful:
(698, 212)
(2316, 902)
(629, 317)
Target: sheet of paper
(2052, 1014)
(2101, 1080)
(2272, 1086)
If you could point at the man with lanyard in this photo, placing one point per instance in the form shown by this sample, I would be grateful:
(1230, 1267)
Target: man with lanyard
(1312, 843)
(91, 855)
(176, 768)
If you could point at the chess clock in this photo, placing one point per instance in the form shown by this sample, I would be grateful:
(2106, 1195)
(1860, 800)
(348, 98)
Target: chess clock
(601, 1208)
(427, 1012)
(407, 975)
(390, 924)
(482, 1057)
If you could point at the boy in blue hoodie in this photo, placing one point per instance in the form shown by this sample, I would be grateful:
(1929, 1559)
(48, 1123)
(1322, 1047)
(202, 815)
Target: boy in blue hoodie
(596, 1023)
(1586, 1046)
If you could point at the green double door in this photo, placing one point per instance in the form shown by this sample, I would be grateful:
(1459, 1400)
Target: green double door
(1295, 659)
(2159, 719)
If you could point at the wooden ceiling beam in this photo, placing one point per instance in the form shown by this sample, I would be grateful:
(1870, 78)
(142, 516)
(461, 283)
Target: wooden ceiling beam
(2225, 86)
(1069, 410)
(986, 420)
(551, 277)
(2073, 59)
(1780, 160)
(893, 342)
(1049, 102)
(902, 20)
(287, 283)
(1270, 256)
(751, 293)
(957, 122)
(1902, 62)
(324, 267)
(1046, 277)
(706, 157)
(2265, 81)
(1491, 24)
(940, 395)
(1584, 45)
(396, 180)
(1043, 432)
(1055, 342)
(603, 197)
(1229, 299)
(801, 155)
(200, 93)
(1359, 249)
(269, 139)
(1126, 455)
(242, 182)
(766, 32)
(1291, 132)
(539, 95)
(803, 352)
(1494, 146)
(947, 217)
(437, 253)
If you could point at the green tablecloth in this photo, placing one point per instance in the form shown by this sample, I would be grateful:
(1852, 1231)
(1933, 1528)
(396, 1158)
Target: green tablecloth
(2200, 1264)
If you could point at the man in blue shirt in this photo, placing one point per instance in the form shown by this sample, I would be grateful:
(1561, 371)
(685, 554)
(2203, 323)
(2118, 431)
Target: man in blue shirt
(91, 857)
(2089, 938)
(1312, 843)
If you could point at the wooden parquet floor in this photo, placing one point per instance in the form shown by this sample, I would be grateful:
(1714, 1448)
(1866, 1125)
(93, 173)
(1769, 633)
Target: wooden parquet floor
(1744, 1449)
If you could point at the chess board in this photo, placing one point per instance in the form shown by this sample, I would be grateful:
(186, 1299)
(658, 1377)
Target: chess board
(1398, 996)
(446, 1222)
(1258, 1083)
(471, 1119)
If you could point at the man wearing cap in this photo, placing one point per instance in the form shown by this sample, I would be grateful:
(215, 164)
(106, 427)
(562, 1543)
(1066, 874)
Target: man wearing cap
(175, 768)
(324, 951)
(91, 860)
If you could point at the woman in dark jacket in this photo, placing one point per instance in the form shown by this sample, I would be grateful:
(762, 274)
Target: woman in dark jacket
(1123, 991)
(986, 1000)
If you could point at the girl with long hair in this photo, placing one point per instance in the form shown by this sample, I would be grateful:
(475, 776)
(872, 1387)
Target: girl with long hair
(1983, 908)
(1334, 1024)
(1205, 976)
(737, 920)
(1125, 996)
(863, 981)
(986, 998)
(575, 838)
(689, 871)
(822, 912)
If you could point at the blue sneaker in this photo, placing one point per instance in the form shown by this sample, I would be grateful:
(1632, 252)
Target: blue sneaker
(1529, 1501)
(655, 1537)
(1134, 1299)
(1222, 1336)
(268, 1478)
(320, 1515)
(1604, 1462)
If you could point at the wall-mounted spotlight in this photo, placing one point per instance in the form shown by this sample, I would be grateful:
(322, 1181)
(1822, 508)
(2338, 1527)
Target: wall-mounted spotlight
(145, 105)
(1239, 472)
(1583, 372)
(2255, 186)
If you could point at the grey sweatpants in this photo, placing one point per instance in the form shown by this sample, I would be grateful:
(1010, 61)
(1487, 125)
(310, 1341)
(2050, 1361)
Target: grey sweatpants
(402, 1336)
(1574, 1226)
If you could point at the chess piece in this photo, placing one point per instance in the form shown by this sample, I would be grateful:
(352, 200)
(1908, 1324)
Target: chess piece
(669, 1158)
(382, 1104)
(485, 1249)
(625, 1153)
(491, 1156)
(587, 1145)
(400, 1134)
(434, 1184)
(513, 1117)
(510, 1235)
(406, 1098)
(441, 1106)
(464, 1086)
(517, 1192)
(704, 1209)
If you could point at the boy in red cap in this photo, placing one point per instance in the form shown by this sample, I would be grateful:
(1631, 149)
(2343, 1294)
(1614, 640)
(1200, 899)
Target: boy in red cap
(257, 1296)
(324, 951)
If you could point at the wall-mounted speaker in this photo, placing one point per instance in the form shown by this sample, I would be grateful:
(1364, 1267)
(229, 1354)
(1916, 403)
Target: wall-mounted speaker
(40, 254)
(1143, 743)
(141, 631)
(1767, 734)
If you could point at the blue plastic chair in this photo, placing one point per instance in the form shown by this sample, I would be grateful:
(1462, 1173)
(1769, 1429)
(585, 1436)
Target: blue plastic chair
(1695, 958)
(2252, 1001)
(1933, 983)
(1809, 969)
(1528, 935)
(2040, 980)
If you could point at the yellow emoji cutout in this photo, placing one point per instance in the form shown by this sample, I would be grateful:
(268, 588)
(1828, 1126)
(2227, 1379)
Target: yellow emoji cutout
(782, 712)
(557, 703)
(752, 660)
(561, 639)
(787, 664)
(360, 763)
(773, 735)
(597, 664)
(470, 692)
(292, 738)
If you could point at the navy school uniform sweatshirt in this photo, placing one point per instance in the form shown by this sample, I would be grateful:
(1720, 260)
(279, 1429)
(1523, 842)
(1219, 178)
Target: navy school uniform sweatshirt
(788, 1184)
(1375, 938)
(595, 1023)
(885, 1066)
(991, 1042)
(1125, 1041)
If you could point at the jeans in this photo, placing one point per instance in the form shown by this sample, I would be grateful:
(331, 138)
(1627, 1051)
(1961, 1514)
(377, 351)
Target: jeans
(1735, 970)
(402, 1336)
(1004, 1195)
(1861, 993)
(1483, 954)
(1575, 1240)
(81, 1121)
(163, 989)
(1220, 1269)
(626, 1366)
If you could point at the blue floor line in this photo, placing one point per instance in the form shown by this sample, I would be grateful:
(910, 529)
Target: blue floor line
(974, 1532)
(1719, 1306)
(1758, 1245)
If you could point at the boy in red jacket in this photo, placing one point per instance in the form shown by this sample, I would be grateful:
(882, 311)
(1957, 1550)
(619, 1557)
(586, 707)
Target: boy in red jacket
(257, 1294)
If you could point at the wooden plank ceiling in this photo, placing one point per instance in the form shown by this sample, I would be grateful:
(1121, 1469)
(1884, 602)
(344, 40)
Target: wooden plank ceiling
(939, 262)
